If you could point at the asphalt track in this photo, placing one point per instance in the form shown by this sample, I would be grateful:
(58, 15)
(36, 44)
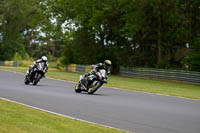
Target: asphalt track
(129, 110)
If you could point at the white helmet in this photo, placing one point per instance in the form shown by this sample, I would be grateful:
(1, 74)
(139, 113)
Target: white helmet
(44, 58)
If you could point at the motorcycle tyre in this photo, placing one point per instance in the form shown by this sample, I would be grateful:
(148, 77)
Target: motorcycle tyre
(36, 79)
(77, 88)
(26, 81)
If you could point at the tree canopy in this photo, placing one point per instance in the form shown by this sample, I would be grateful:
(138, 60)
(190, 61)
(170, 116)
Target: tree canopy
(136, 33)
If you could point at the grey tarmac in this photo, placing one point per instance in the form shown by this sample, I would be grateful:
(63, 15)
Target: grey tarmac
(128, 110)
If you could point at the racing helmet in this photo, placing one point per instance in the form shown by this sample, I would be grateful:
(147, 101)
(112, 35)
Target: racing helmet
(44, 58)
(107, 63)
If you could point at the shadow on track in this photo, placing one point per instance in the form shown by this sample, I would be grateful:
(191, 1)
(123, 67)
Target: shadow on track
(95, 94)
(37, 85)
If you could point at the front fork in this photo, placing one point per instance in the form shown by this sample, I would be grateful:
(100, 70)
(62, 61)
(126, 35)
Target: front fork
(82, 85)
(85, 83)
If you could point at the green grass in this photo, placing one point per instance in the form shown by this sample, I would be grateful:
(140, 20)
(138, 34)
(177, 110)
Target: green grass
(145, 85)
(15, 118)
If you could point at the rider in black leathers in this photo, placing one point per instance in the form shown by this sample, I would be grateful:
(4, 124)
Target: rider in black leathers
(31, 68)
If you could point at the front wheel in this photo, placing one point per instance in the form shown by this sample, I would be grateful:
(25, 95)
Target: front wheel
(77, 88)
(26, 81)
(95, 87)
(36, 78)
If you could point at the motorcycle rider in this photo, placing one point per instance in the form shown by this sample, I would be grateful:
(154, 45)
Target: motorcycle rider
(31, 68)
(95, 68)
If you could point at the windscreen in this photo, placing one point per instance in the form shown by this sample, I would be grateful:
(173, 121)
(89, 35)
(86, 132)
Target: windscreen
(41, 66)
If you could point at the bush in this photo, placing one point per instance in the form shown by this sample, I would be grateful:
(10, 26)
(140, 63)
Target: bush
(193, 59)
(51, 58)
(193, 62)
(52, 65)
(17, 57)
(25, 63)
(27, 57)
(59, 64)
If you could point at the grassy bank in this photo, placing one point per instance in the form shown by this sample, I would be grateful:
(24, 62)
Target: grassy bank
(15, 118)
(145, 85)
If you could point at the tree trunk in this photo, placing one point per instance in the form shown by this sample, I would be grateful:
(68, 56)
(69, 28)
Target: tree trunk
(54, 47)
(159, 52)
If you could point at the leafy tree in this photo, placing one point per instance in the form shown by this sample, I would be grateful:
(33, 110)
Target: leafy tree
(17, 16)
(193, 59)
(139, 33)
(17, 57)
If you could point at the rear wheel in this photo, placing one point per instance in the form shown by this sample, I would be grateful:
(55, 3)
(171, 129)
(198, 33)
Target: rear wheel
(77, 88)
(36, 78)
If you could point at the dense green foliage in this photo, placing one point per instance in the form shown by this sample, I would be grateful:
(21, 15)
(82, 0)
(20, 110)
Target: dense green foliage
(16, 17)
(139, 33)
(193, 59)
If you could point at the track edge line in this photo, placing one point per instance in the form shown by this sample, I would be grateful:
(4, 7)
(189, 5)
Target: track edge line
(62, 115)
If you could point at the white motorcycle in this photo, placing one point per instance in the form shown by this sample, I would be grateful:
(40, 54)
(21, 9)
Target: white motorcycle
(92, 83)
(36, 74)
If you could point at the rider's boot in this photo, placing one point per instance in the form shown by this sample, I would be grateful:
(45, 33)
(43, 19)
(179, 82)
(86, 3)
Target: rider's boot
(28, 72)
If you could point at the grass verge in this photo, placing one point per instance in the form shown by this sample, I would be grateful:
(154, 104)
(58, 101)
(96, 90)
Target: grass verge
(15, 118)
(145, 85)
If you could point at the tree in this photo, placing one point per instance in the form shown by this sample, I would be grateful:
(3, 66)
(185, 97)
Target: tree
(146, 33)
(192, 60)
(139, 33)
(17, 16)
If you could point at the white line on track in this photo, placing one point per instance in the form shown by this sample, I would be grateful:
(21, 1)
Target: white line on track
(66, 116)
(114, 87)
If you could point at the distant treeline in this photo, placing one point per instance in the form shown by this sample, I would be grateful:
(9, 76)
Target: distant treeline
(136, 33)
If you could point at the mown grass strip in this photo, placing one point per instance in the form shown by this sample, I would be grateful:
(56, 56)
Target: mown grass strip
(145, 85)
(15, 118)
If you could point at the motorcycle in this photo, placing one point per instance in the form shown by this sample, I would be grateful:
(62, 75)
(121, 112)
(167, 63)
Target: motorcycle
(37, 74)
(92, 83)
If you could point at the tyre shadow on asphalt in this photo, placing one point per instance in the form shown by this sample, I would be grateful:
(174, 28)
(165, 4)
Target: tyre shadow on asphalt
(36, 85)
(95, 94)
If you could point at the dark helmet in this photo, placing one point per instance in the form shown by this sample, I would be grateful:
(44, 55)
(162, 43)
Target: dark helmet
(107, 63)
